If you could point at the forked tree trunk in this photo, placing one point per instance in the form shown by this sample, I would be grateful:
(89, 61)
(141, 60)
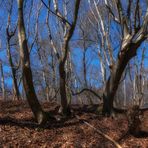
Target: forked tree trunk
(114, 80)
(62, 61)
(26, 69)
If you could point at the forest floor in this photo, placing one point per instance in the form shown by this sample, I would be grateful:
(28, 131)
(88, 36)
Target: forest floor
(18, 129)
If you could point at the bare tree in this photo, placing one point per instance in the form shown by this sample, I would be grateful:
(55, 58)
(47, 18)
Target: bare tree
(12, 65)
(35, 106)
(133, 32)
(67, 35)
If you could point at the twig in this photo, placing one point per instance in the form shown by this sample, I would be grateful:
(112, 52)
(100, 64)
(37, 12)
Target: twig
(54, 13)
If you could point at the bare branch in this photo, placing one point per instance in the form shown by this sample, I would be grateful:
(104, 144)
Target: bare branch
(100, 132)
(71, 30)
(56, 14)
(88, 90)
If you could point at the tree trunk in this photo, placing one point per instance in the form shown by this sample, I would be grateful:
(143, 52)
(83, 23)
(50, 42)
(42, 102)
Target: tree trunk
(114, 81)
(13, 69)
(16, 89)
(64, 103)
(2, 82)
(124, 93)
(84, 68)
(26, 69)
(46, 86)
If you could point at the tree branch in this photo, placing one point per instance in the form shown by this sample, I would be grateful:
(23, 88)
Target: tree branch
(71, 30)
(56, 14)
(86, 89)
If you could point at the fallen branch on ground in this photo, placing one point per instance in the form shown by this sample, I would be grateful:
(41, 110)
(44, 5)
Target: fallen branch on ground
(98, 131)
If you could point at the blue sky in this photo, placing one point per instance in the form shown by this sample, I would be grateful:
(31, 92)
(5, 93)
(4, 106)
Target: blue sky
(77, 52)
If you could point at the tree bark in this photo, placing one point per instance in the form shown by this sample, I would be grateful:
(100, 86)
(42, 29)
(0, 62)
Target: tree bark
(34, 104)
(62, 61)
(114, 80)
(13, 69)
(84, 67)
(2, 82)
(46, 86)
(64, 103)
(16, 89)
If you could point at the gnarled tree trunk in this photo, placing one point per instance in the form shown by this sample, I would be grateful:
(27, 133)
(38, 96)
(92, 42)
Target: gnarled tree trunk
(115, 77)
(132, 38)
